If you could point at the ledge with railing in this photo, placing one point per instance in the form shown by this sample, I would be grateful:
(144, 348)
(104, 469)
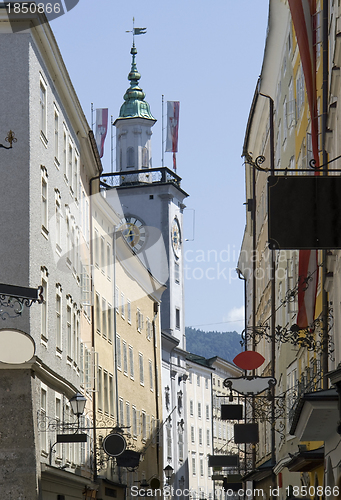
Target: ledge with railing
(161, 175)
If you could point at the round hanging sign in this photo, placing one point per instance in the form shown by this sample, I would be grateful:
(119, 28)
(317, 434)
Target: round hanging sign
(16, 347)
(249, 360)
(114, 444)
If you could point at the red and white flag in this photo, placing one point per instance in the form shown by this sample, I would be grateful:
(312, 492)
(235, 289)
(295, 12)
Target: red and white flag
(173, 108)
(302, 13)
(101, 129)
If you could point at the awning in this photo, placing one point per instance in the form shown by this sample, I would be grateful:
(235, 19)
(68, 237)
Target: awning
(261, 472)
(306, 461)
(316, 416)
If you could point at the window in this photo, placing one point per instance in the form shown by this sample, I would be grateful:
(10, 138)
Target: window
(58, 223)
(191, 408)
(108, 261)
(96, 248)
(206, 383)
(144, 426)
(104, 318)
(44, 207)
(68, 328)
(128, 311)
(110, 323)
(176, 273)
(58, 413)
(42, 103)
(169, 443)
(192, 434)
(190, 377)
(200, 436)
(131, 361)
(134, 421)
(145, 158)
(141, 368)
(208, 441)
(198, 380)
(122, 305)
(128, 417)
(130, 158)
(56, 137)
(181, 445)
(139, 320)
(58, 320)
(85, 283)
(106, 392)
(74, 337)
(43, 408)
(75, 176)
(116, 298)
(65, 154)
(201, 465)
(43, 306)
(118, 352)
(100, 389)
(177, 318)
(193, 465)
(111, 394)
(148, 329)
(70, 159)
(121, 414)
(102, 254)
(125, 357)
(207, 412)
(199, 410)
(98, 313)
(151, 379)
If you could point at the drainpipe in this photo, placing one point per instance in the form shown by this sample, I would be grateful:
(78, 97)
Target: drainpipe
(273, 300)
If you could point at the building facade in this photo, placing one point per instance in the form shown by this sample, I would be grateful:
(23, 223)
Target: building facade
(55, 154)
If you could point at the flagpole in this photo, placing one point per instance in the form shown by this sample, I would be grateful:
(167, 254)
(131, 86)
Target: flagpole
(112, 146)
(162, 132)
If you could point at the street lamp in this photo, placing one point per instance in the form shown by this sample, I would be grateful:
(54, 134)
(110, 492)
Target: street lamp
(168, 470)
(77, 403)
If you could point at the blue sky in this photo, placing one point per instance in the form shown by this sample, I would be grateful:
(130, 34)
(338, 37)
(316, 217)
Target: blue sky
(208, 56)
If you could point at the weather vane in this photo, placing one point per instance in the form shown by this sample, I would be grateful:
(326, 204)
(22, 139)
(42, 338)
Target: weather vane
(137, 31)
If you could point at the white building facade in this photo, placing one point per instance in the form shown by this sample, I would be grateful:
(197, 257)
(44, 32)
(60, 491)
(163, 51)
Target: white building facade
(43, 189)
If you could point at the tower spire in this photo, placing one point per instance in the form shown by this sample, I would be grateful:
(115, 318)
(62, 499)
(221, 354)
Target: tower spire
(135, 106)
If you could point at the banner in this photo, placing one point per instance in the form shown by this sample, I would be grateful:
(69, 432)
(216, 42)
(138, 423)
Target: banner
(173, 108)
(101, 129)
(302, 12)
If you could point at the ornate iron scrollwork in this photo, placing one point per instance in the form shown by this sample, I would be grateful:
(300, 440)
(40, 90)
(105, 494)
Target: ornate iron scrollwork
(311, 337)
(10, 139)
(12, 307)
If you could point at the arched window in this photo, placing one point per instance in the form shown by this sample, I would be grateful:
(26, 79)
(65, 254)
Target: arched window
(145, 158)
(130, 158)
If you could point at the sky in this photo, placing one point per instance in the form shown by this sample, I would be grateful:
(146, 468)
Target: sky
(208, 56)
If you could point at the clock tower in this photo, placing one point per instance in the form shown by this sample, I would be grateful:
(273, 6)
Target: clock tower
(151, 203)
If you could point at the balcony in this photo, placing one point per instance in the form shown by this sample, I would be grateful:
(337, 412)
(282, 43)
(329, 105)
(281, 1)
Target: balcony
(150, 176)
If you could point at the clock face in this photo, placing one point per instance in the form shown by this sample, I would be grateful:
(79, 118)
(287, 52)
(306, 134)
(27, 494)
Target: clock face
(176, 237)
(134, 232)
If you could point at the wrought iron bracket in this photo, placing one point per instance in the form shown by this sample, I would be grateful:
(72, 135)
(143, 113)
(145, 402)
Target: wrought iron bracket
(13, 299)
(10, 139)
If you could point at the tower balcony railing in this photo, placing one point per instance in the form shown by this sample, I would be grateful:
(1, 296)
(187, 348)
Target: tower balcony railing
(161, 175)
